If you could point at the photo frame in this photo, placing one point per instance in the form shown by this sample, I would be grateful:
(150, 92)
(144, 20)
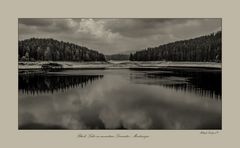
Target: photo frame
(109, 9)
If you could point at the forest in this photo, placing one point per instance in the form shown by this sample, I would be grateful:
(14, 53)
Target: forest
(36, 49)
(206, 48)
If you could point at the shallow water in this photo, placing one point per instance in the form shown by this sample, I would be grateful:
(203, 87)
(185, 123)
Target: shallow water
(121, 99)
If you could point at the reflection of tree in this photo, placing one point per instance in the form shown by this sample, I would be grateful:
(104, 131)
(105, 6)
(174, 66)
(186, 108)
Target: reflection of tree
(40, 83)
(191, 88)
(201, 81)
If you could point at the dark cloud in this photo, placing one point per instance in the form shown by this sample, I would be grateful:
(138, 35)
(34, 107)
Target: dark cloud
(134, 27)
(35, 21)
(47, 25)
(147, 27)
(117, 35)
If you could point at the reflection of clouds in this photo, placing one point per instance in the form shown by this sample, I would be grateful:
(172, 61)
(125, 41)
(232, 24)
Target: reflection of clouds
(136, 120)
(110, 118)
(114, 102)
(25, 118)
(127, 119)
(68, 120)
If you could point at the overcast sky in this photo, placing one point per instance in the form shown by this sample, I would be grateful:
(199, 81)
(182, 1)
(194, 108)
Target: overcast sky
(111, 36)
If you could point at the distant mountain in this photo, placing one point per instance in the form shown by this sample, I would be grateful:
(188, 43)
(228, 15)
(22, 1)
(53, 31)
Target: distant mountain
(36, 49)
(118, 57)
(206, 48)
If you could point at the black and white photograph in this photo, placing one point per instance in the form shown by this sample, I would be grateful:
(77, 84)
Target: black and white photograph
(119, 73)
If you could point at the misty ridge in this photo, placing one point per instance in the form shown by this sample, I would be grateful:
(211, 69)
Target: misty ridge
(205, 48)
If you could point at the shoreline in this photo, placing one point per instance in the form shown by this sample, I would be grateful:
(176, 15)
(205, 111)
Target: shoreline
(134, 65)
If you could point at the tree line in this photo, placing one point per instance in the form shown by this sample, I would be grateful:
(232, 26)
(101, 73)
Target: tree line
(206, 48)
(36, 49)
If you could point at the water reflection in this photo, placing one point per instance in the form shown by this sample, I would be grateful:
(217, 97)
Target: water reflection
(50, 83)
(204, 82)
(121, 99)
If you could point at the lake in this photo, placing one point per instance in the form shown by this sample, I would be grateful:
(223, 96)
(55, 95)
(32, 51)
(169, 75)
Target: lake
(167, 98)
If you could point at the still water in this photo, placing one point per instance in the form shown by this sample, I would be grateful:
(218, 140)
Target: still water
(121, 99)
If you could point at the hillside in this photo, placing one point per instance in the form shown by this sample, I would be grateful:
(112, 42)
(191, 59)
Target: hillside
(202, 49)
(117, 57)
(36, 49)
